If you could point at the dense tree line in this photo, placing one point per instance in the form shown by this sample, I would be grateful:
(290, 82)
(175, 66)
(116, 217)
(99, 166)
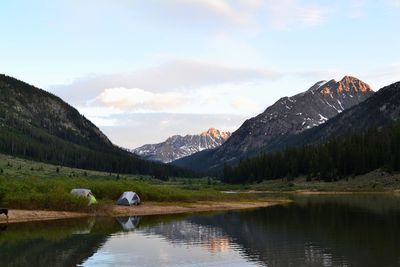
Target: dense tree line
(334, 159)
(26, 141)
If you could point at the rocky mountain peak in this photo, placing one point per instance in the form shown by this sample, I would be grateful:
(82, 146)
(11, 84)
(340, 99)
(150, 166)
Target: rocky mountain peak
(347, 85)
(215, 133)
(352, 84)
(178, 146)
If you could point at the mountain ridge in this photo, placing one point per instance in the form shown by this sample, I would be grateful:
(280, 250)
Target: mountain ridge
(287, 116)
(178, 146)
(379, 110)
(360, 140)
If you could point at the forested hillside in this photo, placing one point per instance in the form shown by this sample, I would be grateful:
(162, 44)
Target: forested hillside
(40, 126)
(335, 159)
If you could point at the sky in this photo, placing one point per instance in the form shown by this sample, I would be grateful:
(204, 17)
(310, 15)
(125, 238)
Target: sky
(146, 70)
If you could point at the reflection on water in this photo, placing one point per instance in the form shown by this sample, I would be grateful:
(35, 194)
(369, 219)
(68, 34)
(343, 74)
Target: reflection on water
(129, 223)
(353, 230)
(62, 243)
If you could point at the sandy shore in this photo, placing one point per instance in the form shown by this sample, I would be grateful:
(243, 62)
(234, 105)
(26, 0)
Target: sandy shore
(159, 209)
(148, 208)
(37, 215)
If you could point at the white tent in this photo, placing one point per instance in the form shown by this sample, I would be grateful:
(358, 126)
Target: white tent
(81, 192)
(128, 198)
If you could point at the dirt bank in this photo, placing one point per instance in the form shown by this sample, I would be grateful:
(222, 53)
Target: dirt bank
(167, 208)
(148, 208)
(37, 215)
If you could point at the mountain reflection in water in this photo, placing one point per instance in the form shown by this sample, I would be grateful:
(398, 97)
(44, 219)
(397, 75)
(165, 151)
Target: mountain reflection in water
(354, 230)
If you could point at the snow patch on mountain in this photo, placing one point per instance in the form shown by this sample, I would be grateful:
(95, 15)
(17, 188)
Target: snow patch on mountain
(177, 146)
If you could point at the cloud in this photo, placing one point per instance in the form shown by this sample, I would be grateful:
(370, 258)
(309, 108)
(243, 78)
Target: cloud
(393, 3)
(240, 14)
(260, 14)
(176, 75)
(383, 76)
(229, 98)
(138, 99)
(356, 8)
(219, 7)
(293, 13)
(246, 105)
(209, 15)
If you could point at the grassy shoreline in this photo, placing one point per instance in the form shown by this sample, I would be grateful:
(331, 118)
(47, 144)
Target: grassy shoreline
(29, 185)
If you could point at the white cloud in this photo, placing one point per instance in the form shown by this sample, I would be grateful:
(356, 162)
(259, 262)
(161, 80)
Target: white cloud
(293, 13)
(137, 99)
(246, 105)
(170, 76)
(260, 14)
(220, 8)
(233, 98)
(356, 8)
(383, 76)
(393, 3)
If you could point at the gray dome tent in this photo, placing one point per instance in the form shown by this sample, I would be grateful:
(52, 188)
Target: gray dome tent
(128, 198)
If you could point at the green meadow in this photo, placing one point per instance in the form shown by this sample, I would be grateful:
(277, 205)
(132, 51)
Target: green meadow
(27, 184)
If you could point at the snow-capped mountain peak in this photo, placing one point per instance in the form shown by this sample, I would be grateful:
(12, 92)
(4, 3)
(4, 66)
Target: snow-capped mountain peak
(178, 146)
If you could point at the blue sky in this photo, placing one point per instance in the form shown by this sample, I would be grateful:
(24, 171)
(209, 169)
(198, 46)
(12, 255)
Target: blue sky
(144, 70)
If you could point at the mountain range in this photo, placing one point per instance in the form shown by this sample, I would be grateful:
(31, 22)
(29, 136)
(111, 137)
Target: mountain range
(40, 126)
(287, 117)
(178, 146)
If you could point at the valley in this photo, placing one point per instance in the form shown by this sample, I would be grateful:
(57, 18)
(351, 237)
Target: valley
(312, 163)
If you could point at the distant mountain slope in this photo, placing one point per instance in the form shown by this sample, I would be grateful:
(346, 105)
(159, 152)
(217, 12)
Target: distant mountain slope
(382, 109)
(178, 146)
(359, 140)
(38, 125)
(288, 116)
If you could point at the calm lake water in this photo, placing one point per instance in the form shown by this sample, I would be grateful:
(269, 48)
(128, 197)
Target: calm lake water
(312, 231)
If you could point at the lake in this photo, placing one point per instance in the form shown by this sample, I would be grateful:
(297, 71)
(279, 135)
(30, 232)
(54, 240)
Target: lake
(334, 230)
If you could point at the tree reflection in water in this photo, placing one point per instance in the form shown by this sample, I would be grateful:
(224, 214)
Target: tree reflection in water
(313, 231)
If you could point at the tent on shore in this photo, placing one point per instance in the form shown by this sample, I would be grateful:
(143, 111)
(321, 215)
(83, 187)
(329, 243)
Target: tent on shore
(82, 192)
(128, 198)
